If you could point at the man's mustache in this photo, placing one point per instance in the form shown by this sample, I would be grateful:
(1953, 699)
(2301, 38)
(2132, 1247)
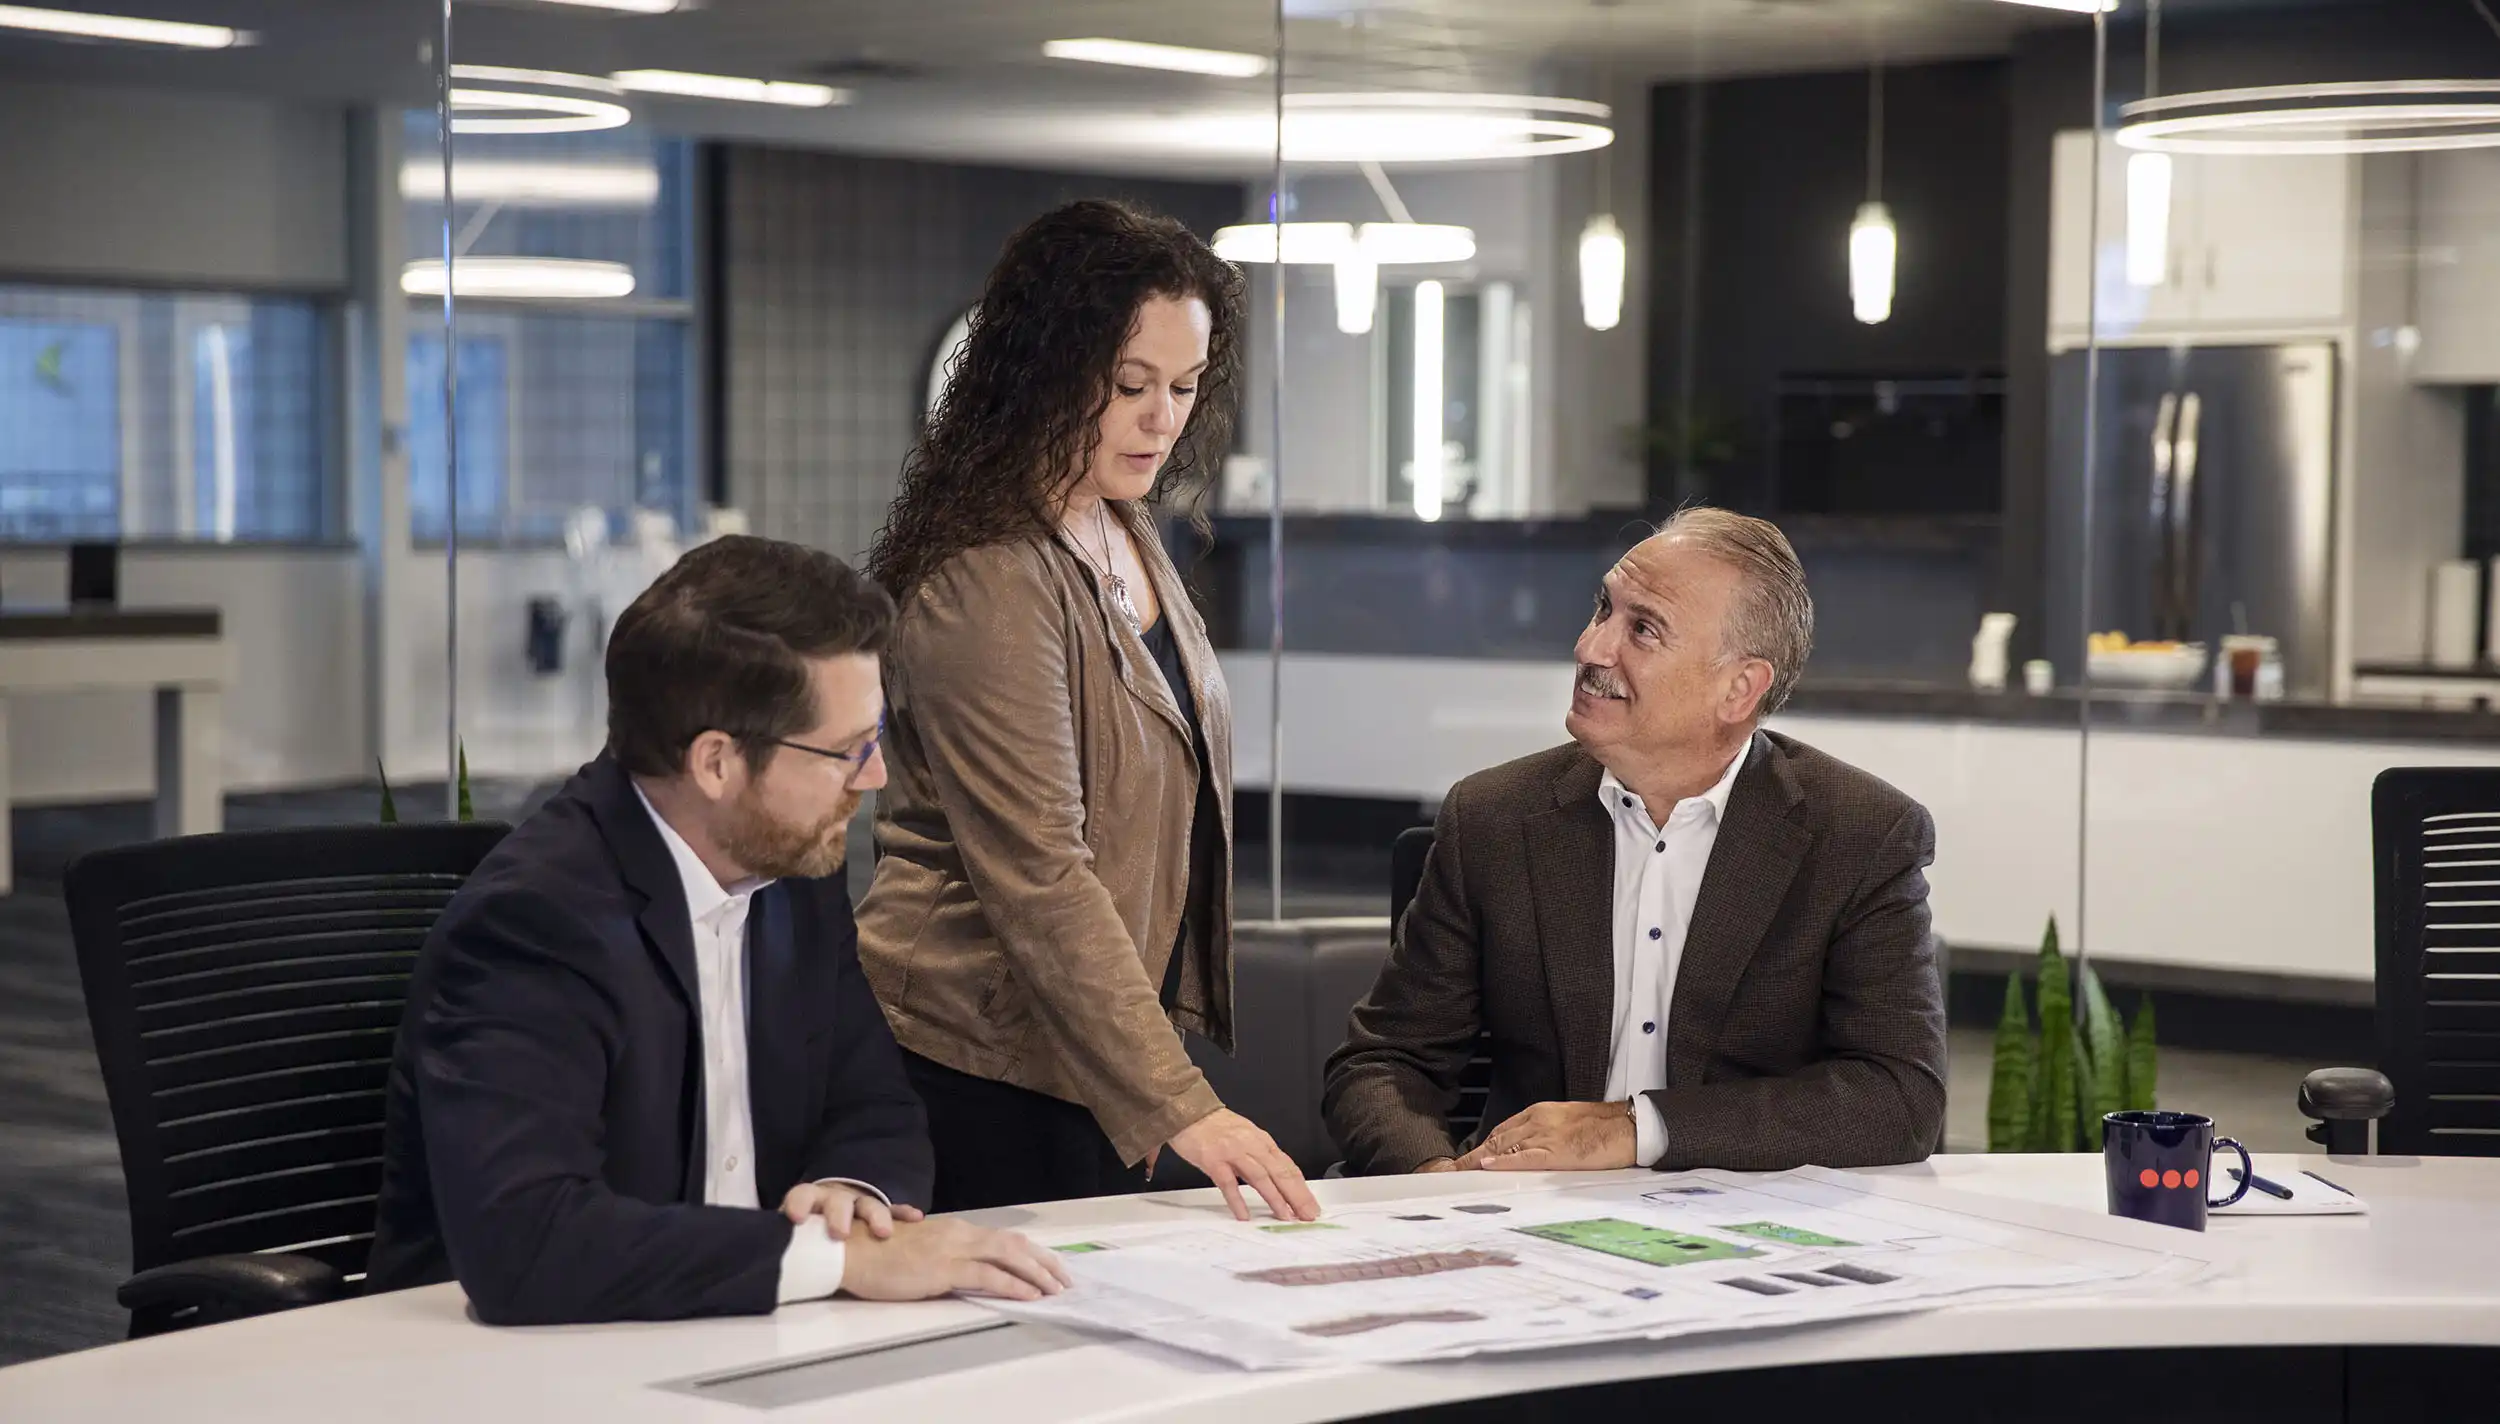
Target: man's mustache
(1600, 682)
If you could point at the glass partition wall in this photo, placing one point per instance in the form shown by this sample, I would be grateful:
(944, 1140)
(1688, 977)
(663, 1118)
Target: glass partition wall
(2051, 408)
(1449, 458)
(718, 257)
(202, 400)
(2269, 376)
(2125, 383)
(1549, 279)
(204, 418)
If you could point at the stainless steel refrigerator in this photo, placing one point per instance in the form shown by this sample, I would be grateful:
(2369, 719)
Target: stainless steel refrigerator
(2213, 497)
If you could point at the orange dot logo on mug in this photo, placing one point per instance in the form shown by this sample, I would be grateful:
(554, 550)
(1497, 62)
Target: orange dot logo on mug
(2172, 1179)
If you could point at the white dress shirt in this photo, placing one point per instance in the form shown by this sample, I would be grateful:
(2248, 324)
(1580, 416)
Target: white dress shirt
(811, 1266)
(1658, 872)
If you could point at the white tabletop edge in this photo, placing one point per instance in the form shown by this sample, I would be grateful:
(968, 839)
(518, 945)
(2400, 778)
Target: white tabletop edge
(2423, 1267)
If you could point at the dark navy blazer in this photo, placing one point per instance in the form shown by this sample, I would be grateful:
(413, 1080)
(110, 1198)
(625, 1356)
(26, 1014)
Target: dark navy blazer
(546, 1119)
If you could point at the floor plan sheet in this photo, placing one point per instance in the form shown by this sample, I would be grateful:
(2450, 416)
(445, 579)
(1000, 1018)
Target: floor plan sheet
(1491, 1270)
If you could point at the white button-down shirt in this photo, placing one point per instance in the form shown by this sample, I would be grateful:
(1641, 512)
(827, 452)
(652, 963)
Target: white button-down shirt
(1658, 872)
(811, 1266)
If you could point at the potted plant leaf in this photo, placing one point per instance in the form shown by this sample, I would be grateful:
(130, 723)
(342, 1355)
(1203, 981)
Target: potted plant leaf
(2049, 1087)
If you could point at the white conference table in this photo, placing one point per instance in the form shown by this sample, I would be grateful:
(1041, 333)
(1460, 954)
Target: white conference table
(2422, 1268)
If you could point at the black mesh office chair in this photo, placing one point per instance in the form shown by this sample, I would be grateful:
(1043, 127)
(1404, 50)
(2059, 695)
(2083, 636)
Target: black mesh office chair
(1475, 1082)
(245, 990)
(2435, 850)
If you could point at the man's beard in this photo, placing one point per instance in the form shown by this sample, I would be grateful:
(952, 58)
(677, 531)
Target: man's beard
(773, 849)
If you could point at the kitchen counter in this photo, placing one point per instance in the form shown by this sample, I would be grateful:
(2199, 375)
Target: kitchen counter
(2204, 835)
(2134, 708)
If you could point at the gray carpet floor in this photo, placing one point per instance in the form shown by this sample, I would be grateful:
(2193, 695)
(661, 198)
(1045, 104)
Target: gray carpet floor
(64, 1238)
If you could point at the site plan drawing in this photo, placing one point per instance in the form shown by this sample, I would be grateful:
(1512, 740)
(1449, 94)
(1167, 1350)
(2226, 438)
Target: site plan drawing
(1489, 1269)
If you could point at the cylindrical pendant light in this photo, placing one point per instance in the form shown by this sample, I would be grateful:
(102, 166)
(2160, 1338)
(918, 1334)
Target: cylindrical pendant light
(1872, 247)
(1873, 243)
(1358, 293)
(2148, 181)
(1601, 245)
(1601, 273)
(1426, 469)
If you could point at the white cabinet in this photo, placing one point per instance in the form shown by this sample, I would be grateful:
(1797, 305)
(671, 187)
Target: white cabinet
(2457, 296)
(2275, 236)
(2256, 247)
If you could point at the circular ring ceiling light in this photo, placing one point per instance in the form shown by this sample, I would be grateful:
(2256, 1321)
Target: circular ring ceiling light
(1438, 128)
(538, 278)
(490, 99)
(1381, 244)
(2381, 116)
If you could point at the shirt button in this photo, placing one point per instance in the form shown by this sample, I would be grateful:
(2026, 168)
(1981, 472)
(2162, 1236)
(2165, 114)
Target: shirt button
(1662, 845)
(1657, 934)
(731, 1165)
(1627, 803)
(1650, 1027)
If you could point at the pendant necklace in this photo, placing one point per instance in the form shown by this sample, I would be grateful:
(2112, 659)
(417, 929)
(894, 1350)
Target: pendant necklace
(1117, 585)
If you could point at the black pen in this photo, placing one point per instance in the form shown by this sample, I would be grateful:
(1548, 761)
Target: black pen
(2347, 1191)
(2271, 1189)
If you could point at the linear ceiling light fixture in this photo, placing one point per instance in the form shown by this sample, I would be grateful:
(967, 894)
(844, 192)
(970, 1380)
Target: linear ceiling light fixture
(637, 7)
(731, 88)
(1222, 63)
(540, 278)
(491, 99)
(73, 24)
(2075, 7)
(528, 183)
(2370, 116)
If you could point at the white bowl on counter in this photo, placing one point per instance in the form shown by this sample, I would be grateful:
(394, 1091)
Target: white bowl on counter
(2173, 668)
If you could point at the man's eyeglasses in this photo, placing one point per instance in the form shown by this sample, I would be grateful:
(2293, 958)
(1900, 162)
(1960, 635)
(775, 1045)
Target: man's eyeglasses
(854, 761)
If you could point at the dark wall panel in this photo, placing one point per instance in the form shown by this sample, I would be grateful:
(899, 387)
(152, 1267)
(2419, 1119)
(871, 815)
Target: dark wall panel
(1783, 169)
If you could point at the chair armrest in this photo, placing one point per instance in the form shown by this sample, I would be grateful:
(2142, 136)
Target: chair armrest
(2345, 1101)
(2346, 1095)
(231, 1287)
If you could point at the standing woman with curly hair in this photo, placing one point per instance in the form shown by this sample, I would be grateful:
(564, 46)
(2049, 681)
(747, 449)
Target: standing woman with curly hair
(1053, 897)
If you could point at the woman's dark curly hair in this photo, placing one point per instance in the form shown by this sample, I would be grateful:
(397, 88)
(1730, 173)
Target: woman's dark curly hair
(1030, 384)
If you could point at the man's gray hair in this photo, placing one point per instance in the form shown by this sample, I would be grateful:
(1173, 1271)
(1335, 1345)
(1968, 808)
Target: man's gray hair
(1773, 616)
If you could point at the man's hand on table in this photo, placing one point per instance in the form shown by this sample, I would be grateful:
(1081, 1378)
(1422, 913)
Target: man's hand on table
(1559, 1137)
(923, 1259)
(840, 1204)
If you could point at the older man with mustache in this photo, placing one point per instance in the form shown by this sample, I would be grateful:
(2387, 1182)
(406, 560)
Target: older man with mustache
(1684, 941)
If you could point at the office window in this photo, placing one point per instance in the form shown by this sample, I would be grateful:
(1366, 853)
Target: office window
(155, 415)
(485, 423)
(557, 412)
(565, 403)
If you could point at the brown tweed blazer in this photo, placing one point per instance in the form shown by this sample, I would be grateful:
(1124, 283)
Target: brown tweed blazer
(1808, 1022)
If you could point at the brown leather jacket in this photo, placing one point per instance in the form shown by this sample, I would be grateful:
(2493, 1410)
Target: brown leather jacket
(1033, 838)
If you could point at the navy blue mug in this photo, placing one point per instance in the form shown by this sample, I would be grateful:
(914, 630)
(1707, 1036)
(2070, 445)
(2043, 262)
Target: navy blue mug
(2161, 1163)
